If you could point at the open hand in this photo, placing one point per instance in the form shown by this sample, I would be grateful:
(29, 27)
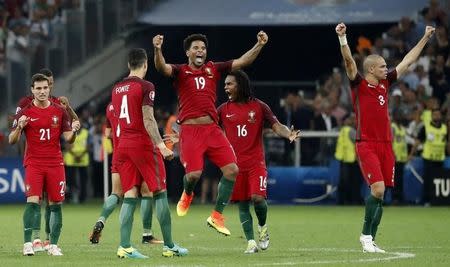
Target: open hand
(171, 138)
(294, 135)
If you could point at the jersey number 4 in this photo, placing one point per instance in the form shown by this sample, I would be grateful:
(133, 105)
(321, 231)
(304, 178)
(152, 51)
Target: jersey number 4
(124, 109)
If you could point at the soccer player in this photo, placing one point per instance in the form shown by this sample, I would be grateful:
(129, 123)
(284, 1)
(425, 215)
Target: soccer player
(111, 202)
(200, 135)
(140, 153)
(62, 100)
(43, 122)
(243, 118)
(373, 132)
(38, 245)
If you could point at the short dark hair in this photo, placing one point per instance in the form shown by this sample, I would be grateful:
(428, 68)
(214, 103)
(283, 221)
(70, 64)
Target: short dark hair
(46, 72)
(194, 37)
(244, 89)
(38, 77)
(136, 58)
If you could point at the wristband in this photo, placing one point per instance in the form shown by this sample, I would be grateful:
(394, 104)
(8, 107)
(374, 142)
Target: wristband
(343, 40)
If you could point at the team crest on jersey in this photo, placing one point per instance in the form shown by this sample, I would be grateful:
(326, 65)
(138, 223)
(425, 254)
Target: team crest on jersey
(209, 72)
(55, 121)
(251, 116)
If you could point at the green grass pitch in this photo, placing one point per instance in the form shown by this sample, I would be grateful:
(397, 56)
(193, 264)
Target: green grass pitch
(299, 235)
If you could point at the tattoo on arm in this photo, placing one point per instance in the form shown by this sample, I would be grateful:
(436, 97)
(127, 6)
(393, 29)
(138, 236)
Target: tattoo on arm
(150, 124)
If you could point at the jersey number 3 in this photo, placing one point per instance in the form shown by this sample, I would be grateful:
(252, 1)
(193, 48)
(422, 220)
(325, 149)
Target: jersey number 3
(381, 99)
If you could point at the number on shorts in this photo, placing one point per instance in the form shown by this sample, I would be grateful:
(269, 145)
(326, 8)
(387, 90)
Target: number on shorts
(45, 134)
(124, 109)
(262, 183)
(118, 131)
(63, 188)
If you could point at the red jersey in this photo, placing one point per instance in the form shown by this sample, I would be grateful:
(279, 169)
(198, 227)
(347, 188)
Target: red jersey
(128, 98)
(112, 122)
(197, 89)
(243, 124)
(43, 132)
(26, 100)
(370, 103)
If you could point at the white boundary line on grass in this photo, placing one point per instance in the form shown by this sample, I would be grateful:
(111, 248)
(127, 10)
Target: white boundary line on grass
(388, 256)
(393, 256)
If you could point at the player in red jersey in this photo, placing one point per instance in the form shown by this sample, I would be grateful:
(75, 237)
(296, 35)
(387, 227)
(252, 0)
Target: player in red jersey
(112, 130)
(39, 246)
(62, 100)
(196, 83)
(373, 134)
(243, 119)
(43, 122)
(140, 153)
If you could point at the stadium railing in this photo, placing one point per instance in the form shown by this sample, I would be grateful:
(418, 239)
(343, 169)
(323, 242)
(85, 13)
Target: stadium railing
(80, 33)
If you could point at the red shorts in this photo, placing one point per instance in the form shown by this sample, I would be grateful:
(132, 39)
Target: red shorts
(114, 168)
(250, 182)
(52, 179)
(377, 162)
(204, 139)
(141, 164)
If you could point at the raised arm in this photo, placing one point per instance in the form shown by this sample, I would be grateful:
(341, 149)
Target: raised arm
(70, 136)
(15, 134)
(250, 56)
(65, 103)
(151, 126)
(283, 131)
(350, 65)
(414, 53)
(160, 63)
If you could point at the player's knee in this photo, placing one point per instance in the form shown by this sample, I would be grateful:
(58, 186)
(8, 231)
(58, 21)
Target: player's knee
(230, 171)
(34, 199)
(118, 193)
(145, 192)
(194, 175)
(257, 199)
(132, 193)
(378, 192)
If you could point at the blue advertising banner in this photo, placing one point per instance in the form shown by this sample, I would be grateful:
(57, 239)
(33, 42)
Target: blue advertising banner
(12, 178)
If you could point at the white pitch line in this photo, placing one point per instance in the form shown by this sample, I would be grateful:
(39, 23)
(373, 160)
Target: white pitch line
(394, 256)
